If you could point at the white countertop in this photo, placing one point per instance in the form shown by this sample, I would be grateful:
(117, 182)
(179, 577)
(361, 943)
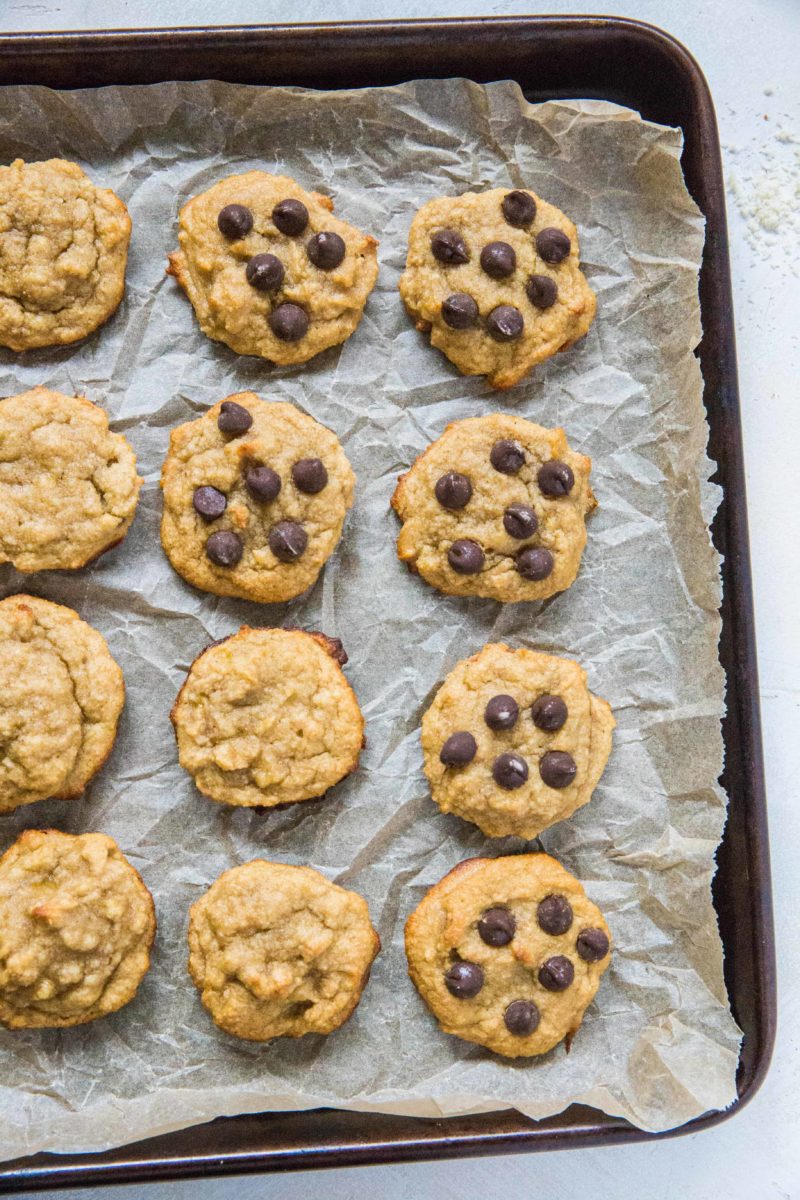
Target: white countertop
(749, 51)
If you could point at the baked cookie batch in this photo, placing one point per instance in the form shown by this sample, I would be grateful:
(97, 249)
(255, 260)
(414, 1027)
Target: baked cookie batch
(506, 952)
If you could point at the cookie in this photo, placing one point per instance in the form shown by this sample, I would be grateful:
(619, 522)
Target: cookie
(76, 927)
(515, 741)
(508, 953)
(68, 485)
(267, 717)
(269, 270)
(61, 695)
(63, 249)
(278, 951)
(255, 497)
(495, 507)
(495, 277)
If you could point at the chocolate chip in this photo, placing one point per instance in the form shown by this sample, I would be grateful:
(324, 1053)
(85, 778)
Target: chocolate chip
(555, 478)
(233, 418)
(541, 291)
(309, 475)
(521, 1017)
(326, 250)
(535, 563)
(549, 713)
(592, 944)
(507, 456)
(520, 521)
(554, 915)
(463, 980)
(458, 750)
(262, 483)
(557, 973)
(557, 768)
(519, 209)
(453, 490)
(501, 712)
(209, 503)
(265, 272)
(235, 221)
(224, 548)
(510, 770)
(553, 245)
(449, 247)
(289, 322)
(505, 323)
(498, 260)
(290, 216)
(497, 926)
(287, 540)
(459, 311)
(465, 557)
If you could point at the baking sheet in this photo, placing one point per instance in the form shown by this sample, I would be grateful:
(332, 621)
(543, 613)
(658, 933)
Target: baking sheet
(659, 1045)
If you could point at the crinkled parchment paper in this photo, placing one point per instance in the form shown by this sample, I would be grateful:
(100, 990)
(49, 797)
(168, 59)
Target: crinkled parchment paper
(659, 1044)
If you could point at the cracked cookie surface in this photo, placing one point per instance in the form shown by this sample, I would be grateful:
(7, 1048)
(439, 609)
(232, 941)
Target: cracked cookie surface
(63, 250)
(279, 951)
(76, 927)
(508, 952)
(269, 270)
(267, 717)
(68, 485)
(515, 741)
(61, 695)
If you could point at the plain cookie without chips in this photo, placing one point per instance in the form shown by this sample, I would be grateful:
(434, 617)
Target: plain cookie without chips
(508, 952)
(279, 951)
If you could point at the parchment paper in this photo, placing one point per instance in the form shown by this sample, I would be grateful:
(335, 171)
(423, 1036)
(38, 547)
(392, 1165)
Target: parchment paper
(659, 1044)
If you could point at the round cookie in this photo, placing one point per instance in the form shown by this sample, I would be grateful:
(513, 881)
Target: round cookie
(515, 741)
(63, 249)
(76, 927)
(255, 496)
(495, 277)
(267, 717)
(279, 951)
(495, 507)
(269, 270)
(508, 952)
(61, 695)
(68, 485)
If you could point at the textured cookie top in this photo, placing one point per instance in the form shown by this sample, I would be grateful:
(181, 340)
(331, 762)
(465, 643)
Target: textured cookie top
(76, 927)
(269, 270)
(68, 485)
(63, 249)
(514, 741)
(61, 695)
(279, 951)
(508, 952)
(496, 278)
(255, 496)
(267, 717)
(495, 507)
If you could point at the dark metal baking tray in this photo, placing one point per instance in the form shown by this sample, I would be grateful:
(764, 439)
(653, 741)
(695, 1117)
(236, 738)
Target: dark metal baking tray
(606, 58)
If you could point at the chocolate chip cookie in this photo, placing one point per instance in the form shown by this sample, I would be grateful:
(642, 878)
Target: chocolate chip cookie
(495, 507)
(279, 951)
(495, 277)
(61, 695)
(76, 927)
(269, 270)
(68, 485)
(63, 250)
(515, 741)
(255, 497)
(508, 953)
(267, 717)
